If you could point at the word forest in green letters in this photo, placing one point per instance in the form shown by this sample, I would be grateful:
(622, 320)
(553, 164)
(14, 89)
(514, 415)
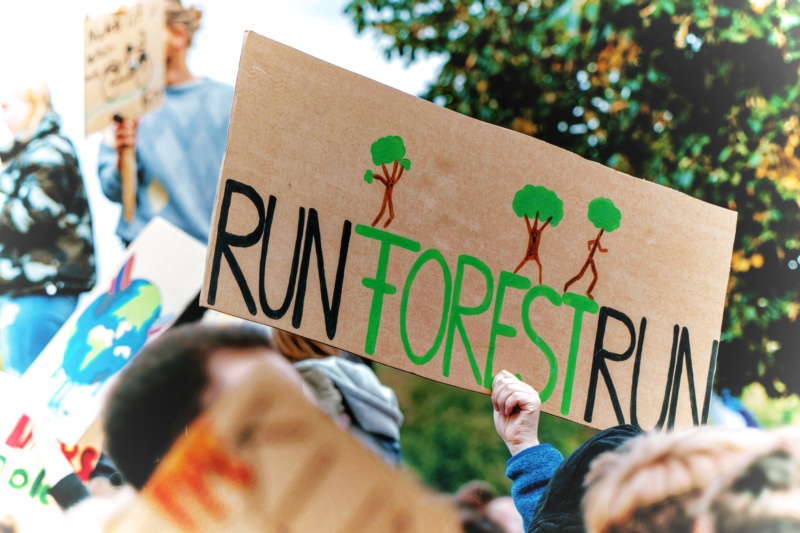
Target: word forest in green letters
(384, 225)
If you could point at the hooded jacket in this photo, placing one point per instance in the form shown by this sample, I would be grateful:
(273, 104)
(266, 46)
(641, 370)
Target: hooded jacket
(46, 243)
(352, 390)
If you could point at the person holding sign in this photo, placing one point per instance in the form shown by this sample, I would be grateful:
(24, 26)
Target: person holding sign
(178, 147)
(46, 243)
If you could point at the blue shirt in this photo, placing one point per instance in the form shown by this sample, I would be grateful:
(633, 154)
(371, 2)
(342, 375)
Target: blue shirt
(530, 472)
(179, 152)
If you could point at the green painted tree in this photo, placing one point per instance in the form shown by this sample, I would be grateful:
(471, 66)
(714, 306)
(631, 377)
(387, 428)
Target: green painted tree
(388, 151)
(699, 96)
(606, 217)
(542, 205)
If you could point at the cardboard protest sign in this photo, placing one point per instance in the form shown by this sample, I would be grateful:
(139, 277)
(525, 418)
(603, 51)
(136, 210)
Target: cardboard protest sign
(265, 459)
(387, 226)
(24, 482)
(124, 63)
(160, 275)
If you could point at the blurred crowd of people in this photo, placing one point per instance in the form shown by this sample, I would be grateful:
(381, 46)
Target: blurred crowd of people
(702, 480)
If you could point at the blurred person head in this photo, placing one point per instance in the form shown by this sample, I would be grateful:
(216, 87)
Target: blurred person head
(503, 512)
(761, 494)
(297, 348)
(171, 381)
(654, 482)
(180, 18)
(475, 494)
(182, 23)
(24, 101)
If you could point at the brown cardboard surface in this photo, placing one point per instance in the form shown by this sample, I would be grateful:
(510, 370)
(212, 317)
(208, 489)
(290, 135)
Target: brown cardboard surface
(264, 459)
(300, 148)
(124, 59)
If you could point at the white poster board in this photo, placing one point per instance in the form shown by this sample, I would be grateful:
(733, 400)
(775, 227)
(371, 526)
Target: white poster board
(161, 273)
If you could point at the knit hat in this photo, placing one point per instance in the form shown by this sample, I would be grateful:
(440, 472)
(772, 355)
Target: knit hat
(178, 15)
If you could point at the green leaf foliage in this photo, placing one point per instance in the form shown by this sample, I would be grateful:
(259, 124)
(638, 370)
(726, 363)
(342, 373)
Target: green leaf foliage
(604, 214)
(699, 96)
(538, 201)
(387, 150)
(369, 176)
(406, 164)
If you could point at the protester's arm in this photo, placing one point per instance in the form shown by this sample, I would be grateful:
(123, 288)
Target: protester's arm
(124, 135)
(516, 418)
(516, 412)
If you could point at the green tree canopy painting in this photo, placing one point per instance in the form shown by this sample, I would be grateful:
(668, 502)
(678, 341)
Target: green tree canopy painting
(606, 217)
(699, 96)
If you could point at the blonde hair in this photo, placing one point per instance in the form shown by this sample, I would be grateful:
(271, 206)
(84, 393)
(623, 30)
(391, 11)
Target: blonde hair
(297, 348)
(762, 493)
(185, 17)
(34, 90)
(653, 482)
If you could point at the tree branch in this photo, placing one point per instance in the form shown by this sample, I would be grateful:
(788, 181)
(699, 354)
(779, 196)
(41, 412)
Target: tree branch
(399, 175)
(528, 223)
(546, 223)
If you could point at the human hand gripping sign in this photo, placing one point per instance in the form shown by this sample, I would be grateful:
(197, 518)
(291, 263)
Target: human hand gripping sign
(516, 412)
(125, 143)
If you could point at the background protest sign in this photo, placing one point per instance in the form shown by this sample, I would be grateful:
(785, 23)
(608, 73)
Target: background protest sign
(389, 227)
(161, 273)
(265, 459)
(124, 63)
(23, 479)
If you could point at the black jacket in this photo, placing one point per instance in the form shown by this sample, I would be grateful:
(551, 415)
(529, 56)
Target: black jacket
(559, 509)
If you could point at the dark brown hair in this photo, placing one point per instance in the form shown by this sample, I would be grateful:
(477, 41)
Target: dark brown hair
(159, 393)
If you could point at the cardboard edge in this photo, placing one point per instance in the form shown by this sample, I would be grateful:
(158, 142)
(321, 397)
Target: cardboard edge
(203, 300)
(498, 130)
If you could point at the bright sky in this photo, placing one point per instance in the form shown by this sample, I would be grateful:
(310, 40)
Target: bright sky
(48, 35)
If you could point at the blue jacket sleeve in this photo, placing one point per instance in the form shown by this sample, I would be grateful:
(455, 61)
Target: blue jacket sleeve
(108, 173)
(530, 472)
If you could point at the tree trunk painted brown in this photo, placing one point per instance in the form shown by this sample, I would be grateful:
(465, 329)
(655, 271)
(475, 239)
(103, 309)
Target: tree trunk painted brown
(534, 239)
(388, 195)
(388, 182)
(383, 207)
(589, 263)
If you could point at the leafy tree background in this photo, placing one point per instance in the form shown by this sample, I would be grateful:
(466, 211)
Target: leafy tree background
(448, 435)
(701, 96)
